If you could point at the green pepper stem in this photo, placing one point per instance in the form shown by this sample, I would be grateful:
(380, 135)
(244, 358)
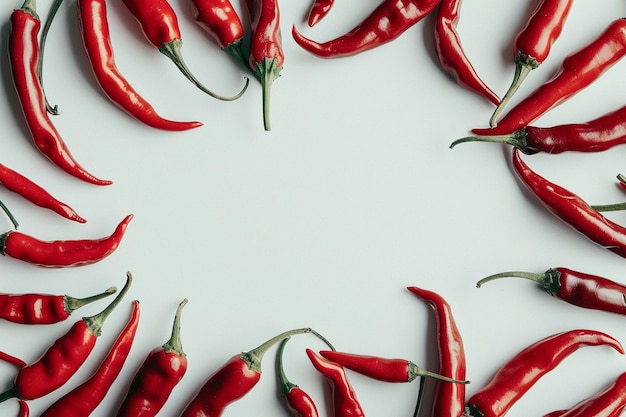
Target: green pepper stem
(267, 71)
(44, 36)
(72, 303)
(285, 384)
(10, 393)
(174, 344)
(420, 394)
(609, 207)
(95, 322)
(415, 371)
(253, 357)
(517, 139)
(30, 6)
(539, 278)
(9, 214)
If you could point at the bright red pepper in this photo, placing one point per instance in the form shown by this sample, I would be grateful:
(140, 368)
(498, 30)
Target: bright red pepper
(319, 9)
(298, 402)
(13, 360)
(609, 402)
(24, 409)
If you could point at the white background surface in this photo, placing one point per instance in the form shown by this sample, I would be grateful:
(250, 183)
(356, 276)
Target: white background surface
(323, 221)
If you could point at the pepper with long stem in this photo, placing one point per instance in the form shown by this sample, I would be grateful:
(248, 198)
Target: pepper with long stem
(298, 402)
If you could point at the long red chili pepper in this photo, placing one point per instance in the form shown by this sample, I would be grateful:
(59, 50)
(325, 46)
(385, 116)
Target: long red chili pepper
(609, 402)
(522, 371)
(160, 26)
(61, 253)
(533, 43)
(94, 27)
(43, 308)
(451, 55)
(63, 358)
(83, 400)
(298, 402)
(25, 56)
(388, 20)
(157, 376)
(319, 9)
(577, 71)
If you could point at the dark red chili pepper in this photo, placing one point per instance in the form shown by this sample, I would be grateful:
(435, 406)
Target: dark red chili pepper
(451, 55)
(94, 27)
(387, 22)
(13, 360)
(157, 376)
(24, 52)
(43, 308)
(160, 26)
(83, 400)
(61, 253)
(63, 358)
(610, 402)
(319, 9)
(298, 402)
(522, 371)
(577, 71)
(533, 43)
(24, 409)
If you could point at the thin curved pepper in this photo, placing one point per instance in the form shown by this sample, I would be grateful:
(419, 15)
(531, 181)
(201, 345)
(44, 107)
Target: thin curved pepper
(576, 72)
(319, 9)
(83, 400)
(157, 376)
(298, 402)
(522, 371)
(24, 409)
(25, 56)
(609, 402)
(13, 360)
(94, 28)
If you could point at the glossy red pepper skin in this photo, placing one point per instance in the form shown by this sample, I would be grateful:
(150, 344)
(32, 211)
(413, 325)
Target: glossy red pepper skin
(24, 409)
(61, 253)
(319, 9)
(13, 360)
(451, 55)
(94, 28)
(25, 55)
(522, 371)
(376, 367)
(577, 71)
(298, 402)
(610, 402)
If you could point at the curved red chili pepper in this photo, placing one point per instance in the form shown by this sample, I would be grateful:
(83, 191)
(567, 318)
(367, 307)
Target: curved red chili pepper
(61, 253)
(94, 27)
(25, 56)
(610, 402)
(319, 9)
(13, 360)
(298, 402)
(83, 400)
(577, 71)
(157, 376)
(450, 51)
(24, 409)
(522, 371)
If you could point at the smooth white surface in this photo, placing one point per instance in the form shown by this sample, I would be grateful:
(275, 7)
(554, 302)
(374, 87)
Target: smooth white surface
(323, 221)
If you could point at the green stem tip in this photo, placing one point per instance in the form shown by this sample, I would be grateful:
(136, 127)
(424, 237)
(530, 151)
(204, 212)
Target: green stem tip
(72, 303)
(174, 344)
(95, 322)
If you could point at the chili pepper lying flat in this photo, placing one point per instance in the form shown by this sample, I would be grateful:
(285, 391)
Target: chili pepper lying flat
(319, 9)
(522, 371)
(83, 400)
(13, 360)
(24, 409)
(577, 71)
(298, 402)
(157, 376)
(610, 402)
(61, 253)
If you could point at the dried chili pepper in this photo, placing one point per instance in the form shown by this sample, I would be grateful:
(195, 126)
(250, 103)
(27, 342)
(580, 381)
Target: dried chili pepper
(160, 26)
(298, 402)
(64, 357)
(157, 376)
(83, 400)
(94, 28)
(25, 56)
(522, 371)
(61, 253)
(609, 402)
(43, 308)
(319, 9)
(577, 71)
(451, 55)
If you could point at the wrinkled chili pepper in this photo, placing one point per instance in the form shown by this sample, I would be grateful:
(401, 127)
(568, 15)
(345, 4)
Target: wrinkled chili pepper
(577, 71)
(83, 400)
(522, 371)
(609, 402)
(298, 402)
(43, 308)
(64, 357)
(533, 43)
(319, 9)
(160, 26)
(25, 56)
(389, 20)
(94, 28)
(157, 376)
(451, 55)
(61, 253)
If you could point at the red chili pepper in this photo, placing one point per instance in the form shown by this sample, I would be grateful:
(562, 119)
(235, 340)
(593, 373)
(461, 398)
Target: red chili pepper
(63, 358)
(157, 376)
(13, 360)
(61, 253)
(577, 71)
(43, 308)
(451, 55)
(610, 402)
(24, 409)
(160, 26)
(319, 9)
(94, 27)
(24, 53)
(387, 22)
(522, 371)
(533, 43)
(83, 400)
(298, 402)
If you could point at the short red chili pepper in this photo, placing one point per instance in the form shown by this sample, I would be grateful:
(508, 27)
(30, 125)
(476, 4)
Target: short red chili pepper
(577, 71)
(83, 400)
(451, 55)
(63, 358)
(25, 56)
(609, 402)
(43, 308)
(298, 402)
(61, 253)
(319, 9)
(522, 371)
(157, 376)
(13, 360)
(94, 28)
